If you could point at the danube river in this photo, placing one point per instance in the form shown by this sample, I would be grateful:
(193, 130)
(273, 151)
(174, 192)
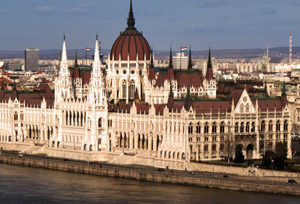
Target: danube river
(30, 185)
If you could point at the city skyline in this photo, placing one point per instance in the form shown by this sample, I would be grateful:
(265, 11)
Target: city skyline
(226, 25)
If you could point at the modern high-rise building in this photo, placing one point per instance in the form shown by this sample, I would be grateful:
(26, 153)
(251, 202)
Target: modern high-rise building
(32, 59)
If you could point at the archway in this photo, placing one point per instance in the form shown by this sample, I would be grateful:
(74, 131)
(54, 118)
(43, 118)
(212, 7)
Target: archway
(249, 150)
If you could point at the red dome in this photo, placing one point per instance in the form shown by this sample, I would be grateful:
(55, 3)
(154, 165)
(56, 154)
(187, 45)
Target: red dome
(131, 42)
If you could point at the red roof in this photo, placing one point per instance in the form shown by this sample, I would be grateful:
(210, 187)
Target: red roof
(130, 43)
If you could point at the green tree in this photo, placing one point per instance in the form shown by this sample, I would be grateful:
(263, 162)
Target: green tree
(281, 155)
(267, 159)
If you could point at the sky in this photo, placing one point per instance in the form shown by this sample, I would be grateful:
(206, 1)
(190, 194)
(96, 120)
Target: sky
(224, 24)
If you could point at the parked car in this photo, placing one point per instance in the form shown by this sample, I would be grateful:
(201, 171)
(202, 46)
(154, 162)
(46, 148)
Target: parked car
(292, 181)
(225, 176)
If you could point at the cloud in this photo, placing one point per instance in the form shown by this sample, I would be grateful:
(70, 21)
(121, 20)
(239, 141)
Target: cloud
(44, 9)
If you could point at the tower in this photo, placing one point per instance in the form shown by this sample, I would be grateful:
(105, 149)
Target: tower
(291, 49)
(63, 85)
(97, 90)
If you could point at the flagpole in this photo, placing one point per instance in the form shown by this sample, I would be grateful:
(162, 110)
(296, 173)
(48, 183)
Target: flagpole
(180, 56)
(86, 56)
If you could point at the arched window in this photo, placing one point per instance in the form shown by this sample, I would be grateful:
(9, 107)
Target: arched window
(236, 128)
(191, 128)
(124, 89)
(100, 122)
(285, 127)
(131, 89)
(222, 127)
(247, 108)
(278, 125)
(206, 128)
(247, 127)
(242, 127)
(270, 126)
(222, 147)
(253, 127)
(214, 127)
(242, 108)
(214, 148)
(263, 126)
(198, 128)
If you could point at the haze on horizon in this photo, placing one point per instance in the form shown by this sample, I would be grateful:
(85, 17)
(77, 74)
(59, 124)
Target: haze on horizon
(225, 24)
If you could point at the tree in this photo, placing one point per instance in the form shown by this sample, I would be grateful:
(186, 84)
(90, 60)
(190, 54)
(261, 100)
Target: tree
(267, 159)
(281, 155)
(239, 157)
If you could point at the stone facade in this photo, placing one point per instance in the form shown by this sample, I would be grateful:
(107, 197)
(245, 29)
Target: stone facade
(134, 109)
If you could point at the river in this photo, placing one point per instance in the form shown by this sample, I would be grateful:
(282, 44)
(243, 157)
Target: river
(30, 185)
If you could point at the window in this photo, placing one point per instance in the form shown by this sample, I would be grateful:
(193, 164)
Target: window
(285, 127)
(263, 126)
(214, 127)
(222, 127)
(190, 130)
(253, 127)
(247, 127)
(242, 127)
(214, 147)
(100, 122)
(205, 148)
(206, 128)
(131, 89)
(124, 89)
(236, 129)
(198, 128)
(278, 125)
(270, 126)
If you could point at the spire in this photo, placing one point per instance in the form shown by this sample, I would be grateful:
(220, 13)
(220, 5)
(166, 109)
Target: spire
(209, 58)
(152, 61)
(64, 51)
(209, 70)
(96, 54)
(171, 70)
(76, 61)
(190, 65)
(131, 20)
(171, 59)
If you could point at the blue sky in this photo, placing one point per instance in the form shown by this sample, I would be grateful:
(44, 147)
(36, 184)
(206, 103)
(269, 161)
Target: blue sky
(223, 23)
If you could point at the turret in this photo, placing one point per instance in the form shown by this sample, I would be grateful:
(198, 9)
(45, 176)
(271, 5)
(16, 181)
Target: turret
(190, 64)
(170, 69)
(209, 70)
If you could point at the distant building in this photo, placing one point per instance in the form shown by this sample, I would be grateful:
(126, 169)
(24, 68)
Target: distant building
(180, 61)
(31, 59)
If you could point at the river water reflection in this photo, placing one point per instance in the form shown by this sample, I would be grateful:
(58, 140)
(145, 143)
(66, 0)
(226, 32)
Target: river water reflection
(30, 185)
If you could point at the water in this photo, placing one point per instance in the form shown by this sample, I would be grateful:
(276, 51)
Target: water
(30, 185)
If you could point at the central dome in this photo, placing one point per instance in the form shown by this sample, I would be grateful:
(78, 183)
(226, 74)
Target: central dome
(130, 43)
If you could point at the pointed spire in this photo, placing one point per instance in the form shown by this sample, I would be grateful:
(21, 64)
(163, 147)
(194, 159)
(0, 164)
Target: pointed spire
(64, 51)
(131, 20)
(171, 59)
(76, 61)
(152, 61)
(209, 70)
(96, 54)
(209, 58)
(190, 65)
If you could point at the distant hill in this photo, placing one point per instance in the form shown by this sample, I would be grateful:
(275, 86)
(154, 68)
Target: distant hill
(275, 53)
